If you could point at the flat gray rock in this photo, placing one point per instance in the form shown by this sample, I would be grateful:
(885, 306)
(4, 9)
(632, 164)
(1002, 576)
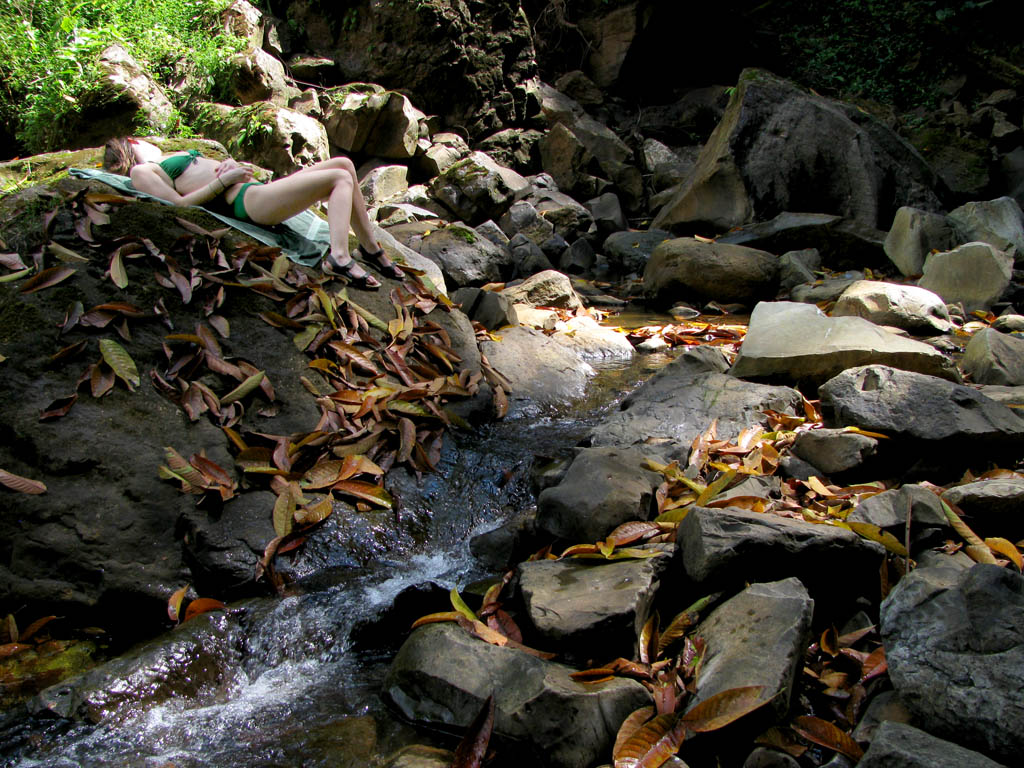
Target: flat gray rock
(758, 637)
(681, 400)
(954, 641)
(834, 450)
(919, 407)
(898, 745)
(795, 342)
(975, 274)
(603, 488)
(722, 548)
(442, 675)
(590, 608)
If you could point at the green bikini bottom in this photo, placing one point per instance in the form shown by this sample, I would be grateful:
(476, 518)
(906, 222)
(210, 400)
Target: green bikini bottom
(238, 205)
(236, 208)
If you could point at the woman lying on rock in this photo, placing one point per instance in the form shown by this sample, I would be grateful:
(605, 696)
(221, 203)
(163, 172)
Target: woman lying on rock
(188, 178)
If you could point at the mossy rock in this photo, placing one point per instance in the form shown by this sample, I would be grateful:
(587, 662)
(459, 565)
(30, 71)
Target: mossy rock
(45, 169)
(28, 672)
(464, 233)
(339, 93)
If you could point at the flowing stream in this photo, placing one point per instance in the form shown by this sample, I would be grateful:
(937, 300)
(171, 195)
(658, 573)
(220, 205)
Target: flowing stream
(300, 688)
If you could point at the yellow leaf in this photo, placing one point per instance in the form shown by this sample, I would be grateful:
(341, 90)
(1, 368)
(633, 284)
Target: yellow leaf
(1005, 548)
(874, 533)
(716, 487)
(121, 362)
(243, 389)
(284, 514)
(815, 484)
(460, 605)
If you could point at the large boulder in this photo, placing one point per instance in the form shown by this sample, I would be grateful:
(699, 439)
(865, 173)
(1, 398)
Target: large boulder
(926, 416)
(350, 113)
(834, 450)
(545, 289)
(476, 188)
(975, 274)
(681, 400)
(843, 243)
(473, 67)
(954, 641)
(888, 510)
(796, 342)
(779, 148)
(913, 235)
(590, 609)
(992, 357)
(999, 222)
(908, 307)
(722, 548)
(272, 137)
(629, 252)
(364, 117)
(255, 75)
(569, 217)
(197, 660)
(603, 488)
(611, 154)
(442, 676)
(992, 507)
(124, 95)
(537, 369)
(690, 269)
(465, 258)
(899, 744)
(758, 637)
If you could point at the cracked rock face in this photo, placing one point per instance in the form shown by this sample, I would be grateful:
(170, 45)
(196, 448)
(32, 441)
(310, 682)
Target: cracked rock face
(954, 640)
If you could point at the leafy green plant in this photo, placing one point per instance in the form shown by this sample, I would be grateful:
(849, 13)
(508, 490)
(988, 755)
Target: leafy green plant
(51, 48)
(894, 53)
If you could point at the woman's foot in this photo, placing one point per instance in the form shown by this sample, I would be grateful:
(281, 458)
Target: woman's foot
(351, 271)
(387, 267)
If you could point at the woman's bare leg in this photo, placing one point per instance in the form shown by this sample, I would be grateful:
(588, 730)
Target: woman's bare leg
(274, 202)
(360, 219)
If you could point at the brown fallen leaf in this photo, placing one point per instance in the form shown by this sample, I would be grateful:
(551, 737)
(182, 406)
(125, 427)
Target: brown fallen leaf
(47, 278)
(827, 735)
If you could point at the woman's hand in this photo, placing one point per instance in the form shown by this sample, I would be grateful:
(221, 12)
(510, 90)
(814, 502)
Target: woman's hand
(230, 172)
(235, 176)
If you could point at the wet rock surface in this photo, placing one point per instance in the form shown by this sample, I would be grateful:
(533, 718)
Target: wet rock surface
(441, 675)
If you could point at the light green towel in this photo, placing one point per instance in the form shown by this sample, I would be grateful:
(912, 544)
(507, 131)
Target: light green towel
(303, 238)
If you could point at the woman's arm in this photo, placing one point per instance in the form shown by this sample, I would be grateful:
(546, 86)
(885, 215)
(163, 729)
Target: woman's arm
(146, 178)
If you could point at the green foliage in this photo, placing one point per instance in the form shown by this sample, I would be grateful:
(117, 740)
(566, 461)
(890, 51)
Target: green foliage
(884, 51)
(51, 46)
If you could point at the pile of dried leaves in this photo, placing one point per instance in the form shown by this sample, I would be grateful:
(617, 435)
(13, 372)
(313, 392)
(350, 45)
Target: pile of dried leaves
(385, 383)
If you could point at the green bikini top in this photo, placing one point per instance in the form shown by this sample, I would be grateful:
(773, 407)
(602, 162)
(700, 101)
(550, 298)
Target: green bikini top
(175, 165)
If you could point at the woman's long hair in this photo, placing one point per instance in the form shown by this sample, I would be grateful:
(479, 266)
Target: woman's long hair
(118, 156)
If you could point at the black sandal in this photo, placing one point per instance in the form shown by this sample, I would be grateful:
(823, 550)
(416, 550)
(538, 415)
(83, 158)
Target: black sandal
(350, 271)
(387, 267)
